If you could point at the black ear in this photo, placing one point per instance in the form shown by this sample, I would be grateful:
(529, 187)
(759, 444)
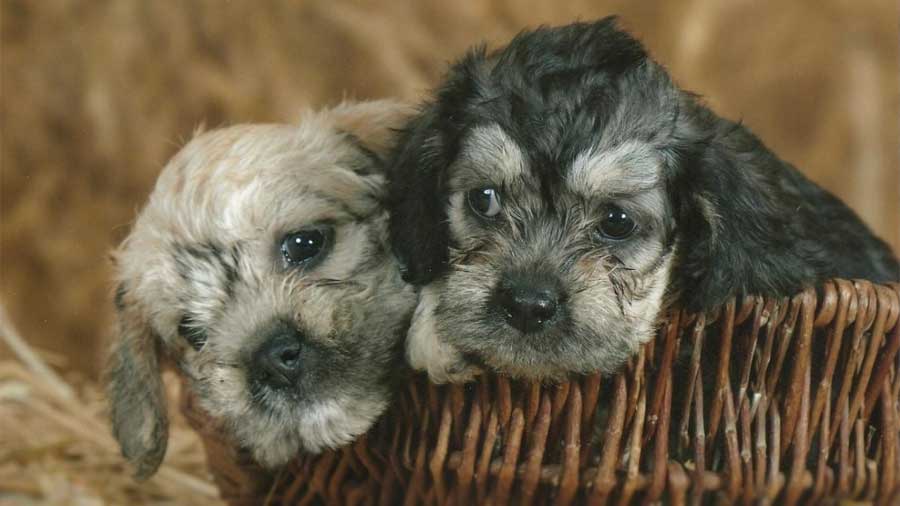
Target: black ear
(418, 204)
(746, 220)
(135, 389)
(417, 169)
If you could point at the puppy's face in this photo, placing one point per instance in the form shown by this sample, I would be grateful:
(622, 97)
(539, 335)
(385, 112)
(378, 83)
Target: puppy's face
(260, 267)
(554, 267)
(540, 173)
(554, 193)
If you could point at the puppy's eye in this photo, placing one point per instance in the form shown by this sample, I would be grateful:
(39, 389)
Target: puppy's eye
(303, 246)
(485, 201)
(616, 224)
(192, 332)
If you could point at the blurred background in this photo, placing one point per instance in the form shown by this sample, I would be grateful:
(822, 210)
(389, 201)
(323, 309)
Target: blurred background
(96, 96)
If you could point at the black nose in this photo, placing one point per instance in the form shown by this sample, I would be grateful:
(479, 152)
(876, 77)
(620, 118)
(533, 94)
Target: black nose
(277, 361)
(528, 305)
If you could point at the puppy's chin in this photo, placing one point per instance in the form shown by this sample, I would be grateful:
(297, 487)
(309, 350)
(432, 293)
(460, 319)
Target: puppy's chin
(556, 355)
(276, 437)
(275, 425)
(551, 355)
(454, 335)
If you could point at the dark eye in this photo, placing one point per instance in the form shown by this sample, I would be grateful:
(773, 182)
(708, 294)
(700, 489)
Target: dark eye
(616, 224)
(484, 201)
(300, 247)
(192, 332)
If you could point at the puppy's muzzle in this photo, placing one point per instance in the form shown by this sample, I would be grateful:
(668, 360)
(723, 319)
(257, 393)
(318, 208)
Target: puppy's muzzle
(528, 302)
(278, 362)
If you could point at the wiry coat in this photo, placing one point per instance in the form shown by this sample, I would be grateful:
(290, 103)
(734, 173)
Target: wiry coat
(202, 282)
(564, 123)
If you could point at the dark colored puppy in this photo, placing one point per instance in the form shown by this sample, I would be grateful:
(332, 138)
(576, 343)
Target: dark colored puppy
(555, 194)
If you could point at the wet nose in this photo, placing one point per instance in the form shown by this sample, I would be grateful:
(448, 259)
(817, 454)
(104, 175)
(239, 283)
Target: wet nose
(528, 305)
(277, 360)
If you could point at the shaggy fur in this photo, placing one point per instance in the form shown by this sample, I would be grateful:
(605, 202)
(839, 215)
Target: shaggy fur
(568, 125)
(204, 283)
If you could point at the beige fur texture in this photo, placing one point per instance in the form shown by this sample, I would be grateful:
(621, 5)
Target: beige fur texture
(205, 258)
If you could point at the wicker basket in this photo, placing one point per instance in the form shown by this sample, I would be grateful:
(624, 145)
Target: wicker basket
(764, 402)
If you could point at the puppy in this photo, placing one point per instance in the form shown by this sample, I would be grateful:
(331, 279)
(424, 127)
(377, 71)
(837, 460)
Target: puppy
(556, 194)
(260, 269)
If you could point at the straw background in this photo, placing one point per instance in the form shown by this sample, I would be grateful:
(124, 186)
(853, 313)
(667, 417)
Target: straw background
(96, 96)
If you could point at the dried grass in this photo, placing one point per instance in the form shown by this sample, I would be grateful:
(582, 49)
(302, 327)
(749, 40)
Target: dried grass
(56, 447)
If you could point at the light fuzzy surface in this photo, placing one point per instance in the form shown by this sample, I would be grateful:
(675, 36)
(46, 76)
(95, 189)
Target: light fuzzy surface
(206, 250)
(56, 450)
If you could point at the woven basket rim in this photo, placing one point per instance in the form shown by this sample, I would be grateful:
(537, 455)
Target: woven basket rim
(435, 444)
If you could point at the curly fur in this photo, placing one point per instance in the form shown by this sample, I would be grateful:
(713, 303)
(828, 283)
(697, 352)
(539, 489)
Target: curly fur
(564, 121)
(202, 282)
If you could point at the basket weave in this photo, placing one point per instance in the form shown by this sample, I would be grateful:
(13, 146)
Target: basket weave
(782, 419)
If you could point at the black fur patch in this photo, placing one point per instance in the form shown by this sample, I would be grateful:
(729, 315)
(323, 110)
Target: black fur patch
(189, 330)
(119, 298)
(190, 258)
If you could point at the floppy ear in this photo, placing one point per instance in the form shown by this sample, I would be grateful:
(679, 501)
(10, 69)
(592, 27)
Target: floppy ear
(419, 230)
(417, 168)
(374, 124)
(740, 220)
(135, 389)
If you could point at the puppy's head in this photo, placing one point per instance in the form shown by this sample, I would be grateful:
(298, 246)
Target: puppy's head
(260, 268)
(555, 191)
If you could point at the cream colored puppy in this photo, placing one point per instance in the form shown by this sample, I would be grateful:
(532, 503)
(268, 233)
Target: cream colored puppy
(260, 270)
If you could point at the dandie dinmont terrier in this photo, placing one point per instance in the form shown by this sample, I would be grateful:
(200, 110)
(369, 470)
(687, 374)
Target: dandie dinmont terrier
(260, 269)
(556, 194)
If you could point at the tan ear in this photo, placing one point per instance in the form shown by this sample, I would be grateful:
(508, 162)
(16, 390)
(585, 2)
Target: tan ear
(135, 390)
(374, 124)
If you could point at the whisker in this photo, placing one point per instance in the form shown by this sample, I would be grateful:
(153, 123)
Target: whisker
(329, 282)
